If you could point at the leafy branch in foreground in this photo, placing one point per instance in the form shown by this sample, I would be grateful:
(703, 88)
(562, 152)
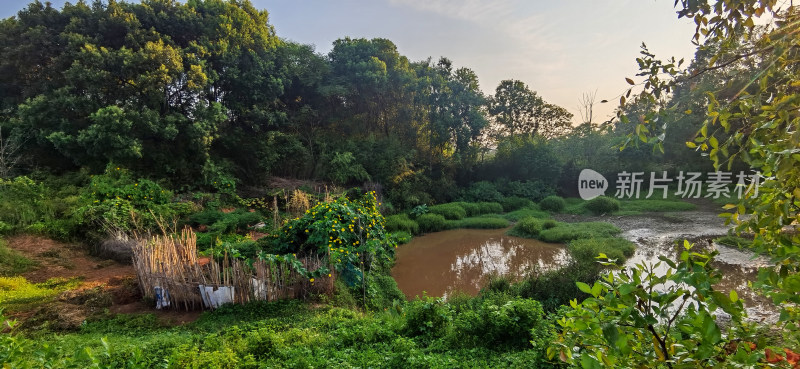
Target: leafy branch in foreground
(640, 316)
(751, 118)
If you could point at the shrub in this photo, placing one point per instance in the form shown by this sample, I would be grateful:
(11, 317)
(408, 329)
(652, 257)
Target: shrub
(483, 191)
(450, 211)
(500, 322)
(479, 223)
(533, 190)
(516, 215)
(565, 232)
(13, 263)
(552, 204)
(586, 250)
(427, 317)
(602, 205)
(401, 237)
(527, 227)
(419, 210)
(401, 222)
(471, 208)
(514, 203)
(555, 288)
(431, 223)
(489, 208)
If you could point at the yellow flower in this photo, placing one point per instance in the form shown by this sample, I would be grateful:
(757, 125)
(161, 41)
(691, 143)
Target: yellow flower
(312, 280)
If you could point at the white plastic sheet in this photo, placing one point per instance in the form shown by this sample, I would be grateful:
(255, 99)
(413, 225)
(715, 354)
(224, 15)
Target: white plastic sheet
(214, 297)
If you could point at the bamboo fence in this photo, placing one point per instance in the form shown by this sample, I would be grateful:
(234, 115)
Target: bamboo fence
(171, 262)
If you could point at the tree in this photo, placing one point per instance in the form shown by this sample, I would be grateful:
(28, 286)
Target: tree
(758, 124)
(519, 110)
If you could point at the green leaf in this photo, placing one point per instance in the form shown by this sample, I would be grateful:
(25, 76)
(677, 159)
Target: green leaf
(584, 287)
(734, 296)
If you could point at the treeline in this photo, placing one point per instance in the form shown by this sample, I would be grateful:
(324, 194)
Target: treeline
(204, 94)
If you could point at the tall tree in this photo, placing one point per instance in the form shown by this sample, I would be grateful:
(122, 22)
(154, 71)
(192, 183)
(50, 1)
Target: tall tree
(519, 110)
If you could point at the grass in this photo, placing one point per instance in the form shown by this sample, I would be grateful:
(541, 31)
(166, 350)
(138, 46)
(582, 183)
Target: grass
(651, 205)
(17, 294)
(634, 206)
(481, 222)
(13, 263)
(735, 241)
(559, 232)
(587, 249)
(534, 212)
(289, 334)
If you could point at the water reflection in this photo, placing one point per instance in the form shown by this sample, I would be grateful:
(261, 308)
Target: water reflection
(462, 260)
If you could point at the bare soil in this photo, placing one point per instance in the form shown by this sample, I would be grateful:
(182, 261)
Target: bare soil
(105, 283)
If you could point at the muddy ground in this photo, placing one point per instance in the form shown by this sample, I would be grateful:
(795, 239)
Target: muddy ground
(106, 287)
(658, 234)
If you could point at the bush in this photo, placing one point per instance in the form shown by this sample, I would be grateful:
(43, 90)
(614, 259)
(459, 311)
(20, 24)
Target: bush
(565, 232)
(552, 204)
(586, 250)
(533, 190)
(500, 322)
(431, 223)
(401, 223)
(426, 317)
(548, 230)
(483, 191)
(471, 208)
(516, 215)
(13, 263)
(449, 211)
(401, 237)
(527, 227)
(514, 203)
(557, 287)
(489, 208)
(479, 223)
(602, 205)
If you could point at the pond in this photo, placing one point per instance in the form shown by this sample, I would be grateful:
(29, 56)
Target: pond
(442, 263)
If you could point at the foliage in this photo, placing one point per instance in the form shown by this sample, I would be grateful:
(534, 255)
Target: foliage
(755, 121)
(479, 223)
(401, 222)
(431, 223)
(500, 322)
(427, 317)
(517, 215)
(635, 317)
(556, 288)
(28, 205)
(532, 190)
(401, 237)
(655, 205)
(515, 203)
(489, 207)
(518, 110)
(419, 210)
(350, 234)
(551, 231)
(11, 262)
(344, 169)
(735, 241)
(617, 250)
(483, 191)
(552, 204)
(450, 211)
(602, 205)
(471, 208)
(17, 294)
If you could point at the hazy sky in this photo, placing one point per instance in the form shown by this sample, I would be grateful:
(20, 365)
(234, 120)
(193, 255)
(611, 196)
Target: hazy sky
(561, 49)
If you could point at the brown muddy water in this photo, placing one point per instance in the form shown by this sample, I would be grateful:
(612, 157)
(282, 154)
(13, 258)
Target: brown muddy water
(442, 263)
(657, 234)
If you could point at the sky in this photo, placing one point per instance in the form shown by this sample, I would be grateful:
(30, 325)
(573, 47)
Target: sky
(560, 49)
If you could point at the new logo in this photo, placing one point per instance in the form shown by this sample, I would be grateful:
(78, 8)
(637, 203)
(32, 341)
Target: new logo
(591, 184)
